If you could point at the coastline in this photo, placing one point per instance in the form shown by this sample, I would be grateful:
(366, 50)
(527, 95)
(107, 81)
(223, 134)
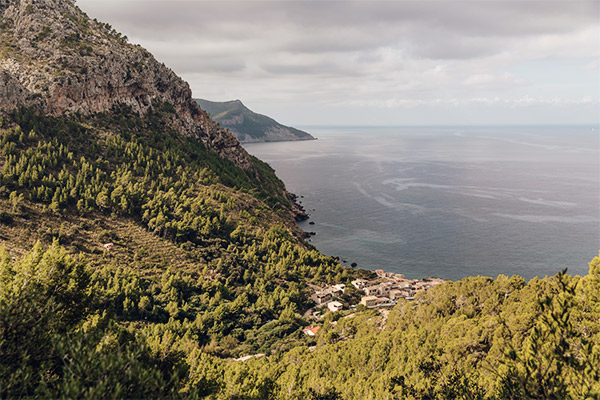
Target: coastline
(298, 211)
(447, 211)
(277, 140)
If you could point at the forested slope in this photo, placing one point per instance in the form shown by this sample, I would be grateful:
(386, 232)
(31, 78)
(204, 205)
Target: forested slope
(225, 229)
(476, 338)
(202, 268)
(143, 251)
(64, 334)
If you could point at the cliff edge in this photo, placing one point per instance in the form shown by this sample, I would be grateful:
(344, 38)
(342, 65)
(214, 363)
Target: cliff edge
(56, 59)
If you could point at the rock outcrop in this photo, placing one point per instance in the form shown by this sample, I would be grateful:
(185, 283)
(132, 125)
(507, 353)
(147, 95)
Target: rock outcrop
(298, 212)
(52, 56)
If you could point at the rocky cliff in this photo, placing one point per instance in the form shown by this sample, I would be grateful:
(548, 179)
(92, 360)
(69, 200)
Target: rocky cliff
(55, 58)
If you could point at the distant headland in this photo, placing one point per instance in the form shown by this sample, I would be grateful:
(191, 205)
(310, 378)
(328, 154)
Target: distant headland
(248, 126)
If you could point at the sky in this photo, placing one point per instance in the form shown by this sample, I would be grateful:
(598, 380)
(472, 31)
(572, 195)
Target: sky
(369, 62)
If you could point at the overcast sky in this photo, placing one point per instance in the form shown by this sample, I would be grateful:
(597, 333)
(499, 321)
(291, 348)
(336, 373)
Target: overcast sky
(378, 62)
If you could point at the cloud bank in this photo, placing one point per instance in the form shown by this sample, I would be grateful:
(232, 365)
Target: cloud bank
(379, 62)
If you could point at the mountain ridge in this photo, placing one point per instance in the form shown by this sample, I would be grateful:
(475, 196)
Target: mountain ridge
(105, 156)
(143, 255)
(58, 60)
(249, 126)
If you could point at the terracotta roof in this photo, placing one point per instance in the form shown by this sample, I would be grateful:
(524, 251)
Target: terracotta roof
(311, 330)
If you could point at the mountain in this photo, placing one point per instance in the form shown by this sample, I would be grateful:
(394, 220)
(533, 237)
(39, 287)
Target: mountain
(55, 58)
(129, 217)
(58, 61)
(145, 254)
(248, 126)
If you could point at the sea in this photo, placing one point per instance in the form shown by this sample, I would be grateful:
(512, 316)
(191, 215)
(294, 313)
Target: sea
(448, 202)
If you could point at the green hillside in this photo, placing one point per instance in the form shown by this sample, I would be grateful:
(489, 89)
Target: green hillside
(247, 125)
(145, 254)
(178, 243)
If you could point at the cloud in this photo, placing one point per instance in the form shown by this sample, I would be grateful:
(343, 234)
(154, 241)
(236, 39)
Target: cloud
(317, 26)
(593, 65)
(393, 53)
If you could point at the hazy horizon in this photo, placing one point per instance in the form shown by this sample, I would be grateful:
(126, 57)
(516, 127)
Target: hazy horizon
(592, 125)
(379, 62)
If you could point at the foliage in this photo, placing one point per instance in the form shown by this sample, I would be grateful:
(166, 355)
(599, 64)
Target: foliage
(112, 326)
(477, 338)
(248, 279)
(47, 347)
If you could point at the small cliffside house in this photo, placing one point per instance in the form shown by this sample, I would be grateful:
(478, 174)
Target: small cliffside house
(326, 295)
(335, 306)
(360, 283)
(390, 275)
(311, 330)
(322, 297)
(396, 294)
(369, 301)
(340, 286)
(382, 289)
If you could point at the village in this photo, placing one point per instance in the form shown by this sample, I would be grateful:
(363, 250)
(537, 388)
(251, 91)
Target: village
(382, 292)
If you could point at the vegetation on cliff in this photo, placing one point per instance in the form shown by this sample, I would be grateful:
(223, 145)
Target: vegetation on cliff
(143, 252)
(65, 334)
(233, 229)
(184, 263)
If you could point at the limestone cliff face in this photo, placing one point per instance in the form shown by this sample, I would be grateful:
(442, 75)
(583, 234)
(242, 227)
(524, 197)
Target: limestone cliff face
(54, 57)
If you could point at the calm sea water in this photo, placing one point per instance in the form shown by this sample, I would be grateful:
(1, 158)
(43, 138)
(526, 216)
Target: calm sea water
(448, 202)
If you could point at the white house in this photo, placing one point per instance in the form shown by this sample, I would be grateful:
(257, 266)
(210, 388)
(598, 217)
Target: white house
(334, 306)
(340, 287)
(360, 283)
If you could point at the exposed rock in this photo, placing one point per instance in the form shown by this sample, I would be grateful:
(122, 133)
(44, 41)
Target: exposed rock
(298, 211)
(55, 58)
(14, 94)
